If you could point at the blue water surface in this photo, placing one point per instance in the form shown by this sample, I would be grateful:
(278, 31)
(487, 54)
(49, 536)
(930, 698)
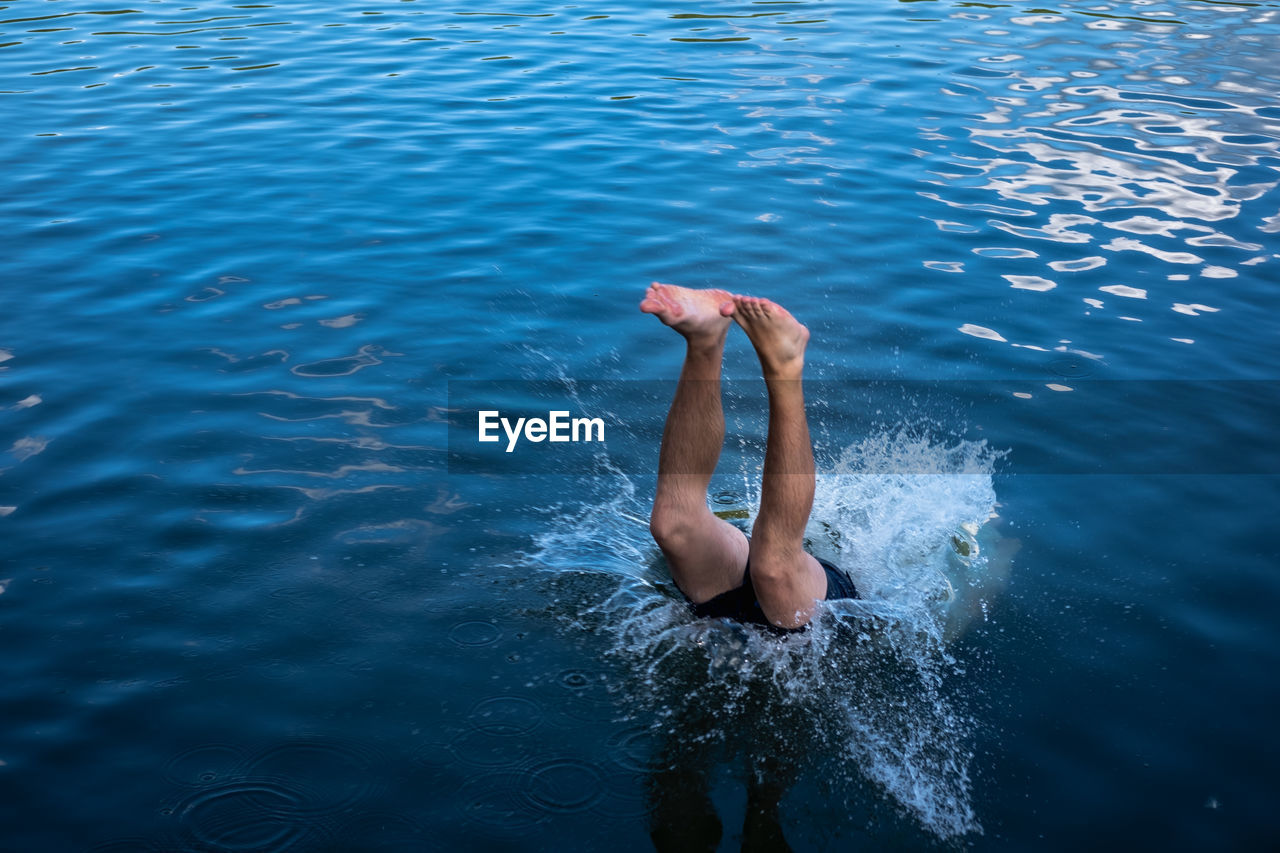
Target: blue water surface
(250, 252)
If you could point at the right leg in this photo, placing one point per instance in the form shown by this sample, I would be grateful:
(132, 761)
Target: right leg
(706, 554)
(788, 581)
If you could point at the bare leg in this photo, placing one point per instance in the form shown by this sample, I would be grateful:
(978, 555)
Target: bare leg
(788, 581)
(707, 555)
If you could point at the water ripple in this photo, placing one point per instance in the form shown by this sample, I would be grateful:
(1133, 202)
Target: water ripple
(205, 765)
(245, 248)
(564, 785)
(506, 715)
(245, 815)
(322, 777)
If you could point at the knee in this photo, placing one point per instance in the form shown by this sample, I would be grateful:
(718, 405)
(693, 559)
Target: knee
(776, 566)
(669, 528)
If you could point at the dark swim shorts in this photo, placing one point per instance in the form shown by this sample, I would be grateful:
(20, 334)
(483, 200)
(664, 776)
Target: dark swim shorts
(741, 605)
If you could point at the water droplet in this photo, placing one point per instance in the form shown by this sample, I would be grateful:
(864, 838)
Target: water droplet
(575, 679)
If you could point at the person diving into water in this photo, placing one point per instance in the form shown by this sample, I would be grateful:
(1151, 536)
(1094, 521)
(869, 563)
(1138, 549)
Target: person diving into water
(768, 579)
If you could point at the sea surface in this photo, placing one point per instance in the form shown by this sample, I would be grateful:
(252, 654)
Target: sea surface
(262, 264)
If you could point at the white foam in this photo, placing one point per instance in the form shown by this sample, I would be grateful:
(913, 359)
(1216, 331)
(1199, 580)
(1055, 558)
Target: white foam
(901, 511)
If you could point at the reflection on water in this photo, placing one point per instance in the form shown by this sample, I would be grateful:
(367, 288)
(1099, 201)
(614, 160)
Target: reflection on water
(1149, 160)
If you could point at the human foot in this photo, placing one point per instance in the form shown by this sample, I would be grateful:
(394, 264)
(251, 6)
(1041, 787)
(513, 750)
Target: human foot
(778, 337)
(696, 314)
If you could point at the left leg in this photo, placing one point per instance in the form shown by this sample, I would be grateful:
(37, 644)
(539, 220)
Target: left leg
(788, 580)
(706, 554)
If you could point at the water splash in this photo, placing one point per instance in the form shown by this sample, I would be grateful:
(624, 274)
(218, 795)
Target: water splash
(872, 689)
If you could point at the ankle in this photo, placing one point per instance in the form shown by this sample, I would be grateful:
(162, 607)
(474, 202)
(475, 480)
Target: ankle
(706, 346)
(785, 372)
